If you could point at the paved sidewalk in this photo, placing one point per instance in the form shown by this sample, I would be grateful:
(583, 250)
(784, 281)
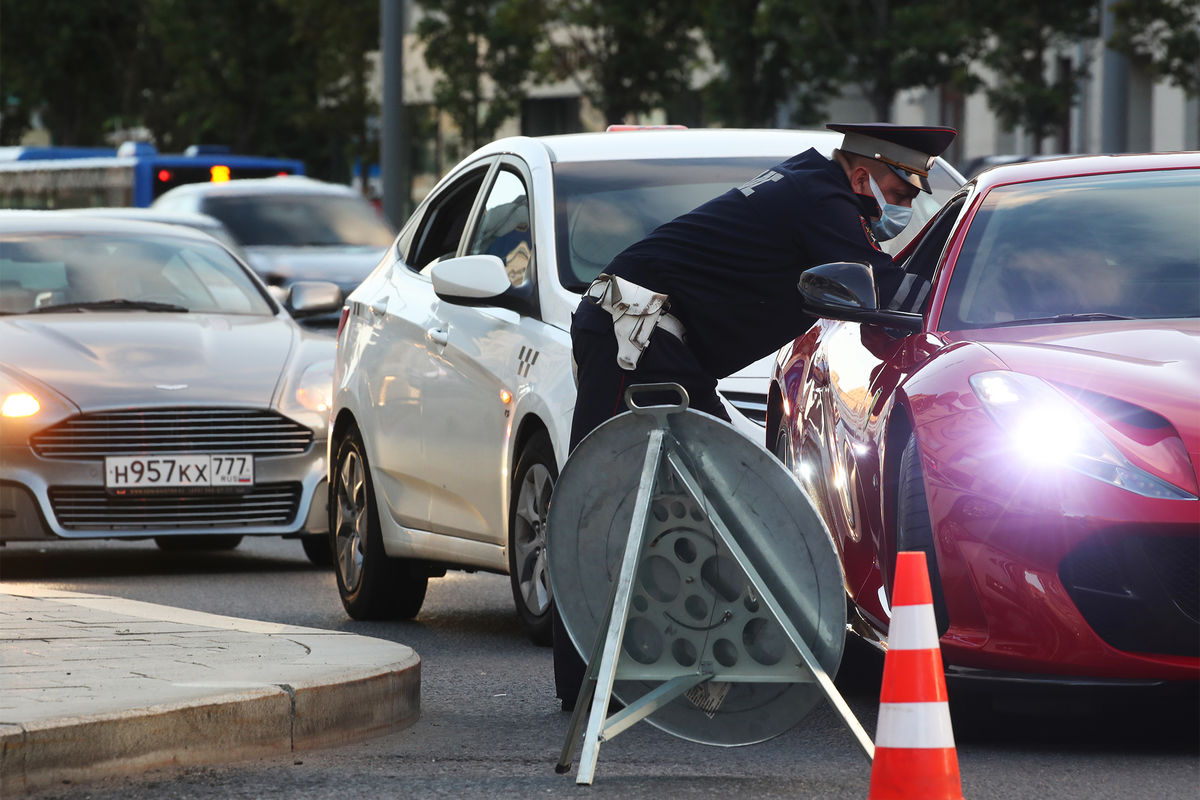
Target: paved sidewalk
(93, 686)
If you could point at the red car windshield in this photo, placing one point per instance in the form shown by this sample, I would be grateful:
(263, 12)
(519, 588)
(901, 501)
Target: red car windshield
(1088, 247)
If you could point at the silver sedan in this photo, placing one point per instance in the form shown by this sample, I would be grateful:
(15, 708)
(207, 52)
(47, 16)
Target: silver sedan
(151, 387)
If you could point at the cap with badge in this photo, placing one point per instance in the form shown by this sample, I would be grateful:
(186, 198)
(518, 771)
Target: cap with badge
(908, 150)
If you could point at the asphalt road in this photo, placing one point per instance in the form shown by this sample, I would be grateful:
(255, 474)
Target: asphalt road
(491, 728)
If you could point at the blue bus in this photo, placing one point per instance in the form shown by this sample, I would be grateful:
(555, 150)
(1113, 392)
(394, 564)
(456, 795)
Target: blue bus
(132, 175)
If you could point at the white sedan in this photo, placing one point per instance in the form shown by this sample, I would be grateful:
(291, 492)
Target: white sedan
(453, 386)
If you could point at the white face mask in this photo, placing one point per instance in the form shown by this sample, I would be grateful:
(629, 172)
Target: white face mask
(892, 219)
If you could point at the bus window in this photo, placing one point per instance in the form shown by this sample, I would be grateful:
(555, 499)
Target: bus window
(50, 177)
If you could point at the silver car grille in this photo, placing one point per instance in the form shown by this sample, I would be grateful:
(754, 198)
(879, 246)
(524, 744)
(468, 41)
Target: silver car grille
(752, 404)
(173, 430)
(91, 508)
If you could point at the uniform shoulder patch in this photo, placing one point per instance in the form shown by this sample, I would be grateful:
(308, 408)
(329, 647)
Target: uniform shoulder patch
(866, 226)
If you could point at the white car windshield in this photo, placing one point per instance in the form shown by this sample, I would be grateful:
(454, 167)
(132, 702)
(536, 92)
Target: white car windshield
(1073, 249)
(47, 272)
(602, 207)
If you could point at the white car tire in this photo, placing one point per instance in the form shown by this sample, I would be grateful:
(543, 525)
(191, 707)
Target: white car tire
(533, 484)
(371, 585)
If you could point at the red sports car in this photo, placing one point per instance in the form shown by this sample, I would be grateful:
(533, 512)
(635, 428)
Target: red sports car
(1032, 423)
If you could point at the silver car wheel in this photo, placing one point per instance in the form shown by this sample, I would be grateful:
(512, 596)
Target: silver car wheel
(529, 538)
(351, 520)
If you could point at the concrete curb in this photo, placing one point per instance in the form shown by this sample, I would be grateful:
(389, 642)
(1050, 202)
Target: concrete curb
(141, 692)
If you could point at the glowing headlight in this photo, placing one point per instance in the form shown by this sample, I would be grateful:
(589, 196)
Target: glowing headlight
(314, 390)
(27, 404)
(1049, 436)
(19, 404)
(17, 397)
(1046, 428)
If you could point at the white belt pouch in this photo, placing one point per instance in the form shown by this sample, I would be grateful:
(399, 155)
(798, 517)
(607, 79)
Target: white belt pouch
(636, 312)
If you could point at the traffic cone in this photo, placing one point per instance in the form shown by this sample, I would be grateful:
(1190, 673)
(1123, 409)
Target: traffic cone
(915, 757)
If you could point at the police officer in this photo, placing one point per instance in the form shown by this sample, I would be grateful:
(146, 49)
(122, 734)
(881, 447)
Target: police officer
(714, 290)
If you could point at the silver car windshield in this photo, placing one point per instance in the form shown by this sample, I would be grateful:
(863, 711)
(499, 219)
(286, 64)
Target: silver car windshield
(312, 220)
(602, 207)
(1073, 249)
(49, 272)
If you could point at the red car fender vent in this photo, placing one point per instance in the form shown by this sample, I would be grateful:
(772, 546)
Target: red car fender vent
(1138, 589)
(618, 128)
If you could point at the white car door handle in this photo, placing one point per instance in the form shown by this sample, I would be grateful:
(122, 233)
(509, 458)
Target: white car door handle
(438, 336)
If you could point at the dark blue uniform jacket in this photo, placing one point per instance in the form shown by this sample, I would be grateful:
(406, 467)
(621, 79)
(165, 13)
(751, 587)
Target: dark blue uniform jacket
(730, 267)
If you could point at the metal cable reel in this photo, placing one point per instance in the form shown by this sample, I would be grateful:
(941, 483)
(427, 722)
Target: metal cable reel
(690, 565)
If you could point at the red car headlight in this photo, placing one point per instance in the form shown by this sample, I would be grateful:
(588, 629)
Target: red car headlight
(1047, 428)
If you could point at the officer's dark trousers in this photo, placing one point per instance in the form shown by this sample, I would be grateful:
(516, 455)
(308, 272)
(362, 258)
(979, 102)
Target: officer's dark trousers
(601, 395)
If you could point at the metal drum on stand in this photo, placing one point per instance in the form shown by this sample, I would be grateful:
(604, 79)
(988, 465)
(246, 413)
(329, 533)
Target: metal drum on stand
(734, 575)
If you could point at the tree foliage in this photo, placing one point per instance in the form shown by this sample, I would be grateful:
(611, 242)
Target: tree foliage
(222, 81)
(483, 52)
(1163, 37)
(273, 77)
(1023, 91)
(75, 65)
(342, 36)
(626, 56)
(290, 77)
(277, 77)
(880, 46)
(756, 65)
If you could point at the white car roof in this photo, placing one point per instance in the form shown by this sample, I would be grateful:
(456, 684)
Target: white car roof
(666, 143)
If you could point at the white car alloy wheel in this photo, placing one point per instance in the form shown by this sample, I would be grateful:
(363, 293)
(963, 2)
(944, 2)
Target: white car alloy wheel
(532, 488)
(350, 520)
(372, 585)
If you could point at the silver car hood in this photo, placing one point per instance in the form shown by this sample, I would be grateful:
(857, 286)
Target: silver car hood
(112, 360)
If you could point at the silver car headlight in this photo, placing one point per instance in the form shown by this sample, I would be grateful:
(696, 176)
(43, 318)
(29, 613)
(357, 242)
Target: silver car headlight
(27, 406)
(19, 404)
(312, 392)
(1044, 427)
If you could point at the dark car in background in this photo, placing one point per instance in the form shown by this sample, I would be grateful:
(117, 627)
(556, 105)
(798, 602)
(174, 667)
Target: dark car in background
(293, 228)
(1033, 427)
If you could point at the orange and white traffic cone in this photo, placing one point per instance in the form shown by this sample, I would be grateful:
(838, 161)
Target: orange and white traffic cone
(915, 757)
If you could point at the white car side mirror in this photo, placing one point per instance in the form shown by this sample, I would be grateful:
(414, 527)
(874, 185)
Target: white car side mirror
(470, 278)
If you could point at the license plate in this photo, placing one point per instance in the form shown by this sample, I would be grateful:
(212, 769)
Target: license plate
(181, 471)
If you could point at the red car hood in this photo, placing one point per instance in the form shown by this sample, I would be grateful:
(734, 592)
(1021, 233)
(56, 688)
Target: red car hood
(108, 360)
(1154, 364)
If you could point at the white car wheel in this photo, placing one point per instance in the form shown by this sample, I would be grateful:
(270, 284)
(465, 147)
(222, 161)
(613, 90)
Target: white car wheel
(533, 485)
(372, 585)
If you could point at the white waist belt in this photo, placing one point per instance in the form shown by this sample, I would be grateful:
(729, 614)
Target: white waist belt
(636, 313)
